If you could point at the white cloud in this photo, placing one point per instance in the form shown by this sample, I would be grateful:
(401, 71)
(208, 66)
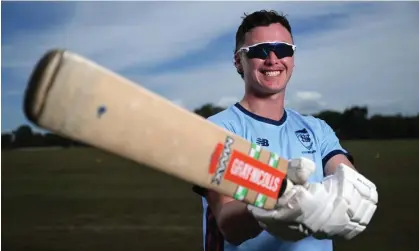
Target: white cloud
(308, 95)
(368, 60)
(178, 102)
(13, 92)
(198, 86)
(227, 101)
(307, 102)
(121, 35)
(369, 57)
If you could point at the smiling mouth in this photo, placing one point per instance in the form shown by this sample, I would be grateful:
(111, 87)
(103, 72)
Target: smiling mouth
(271, 73)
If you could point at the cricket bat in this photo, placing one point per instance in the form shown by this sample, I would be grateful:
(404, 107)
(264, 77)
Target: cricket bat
(76, 98)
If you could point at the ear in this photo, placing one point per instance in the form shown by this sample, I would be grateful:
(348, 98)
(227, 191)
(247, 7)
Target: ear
(238, 63)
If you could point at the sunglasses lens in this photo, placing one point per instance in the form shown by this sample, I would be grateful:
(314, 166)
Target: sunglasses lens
(261, 51)
(284, 50)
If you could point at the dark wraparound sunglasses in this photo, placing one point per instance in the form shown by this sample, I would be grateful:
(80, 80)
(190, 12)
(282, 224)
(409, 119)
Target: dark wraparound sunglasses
(261, 50)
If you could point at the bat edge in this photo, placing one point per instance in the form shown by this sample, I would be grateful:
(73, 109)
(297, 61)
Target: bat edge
(40, 82)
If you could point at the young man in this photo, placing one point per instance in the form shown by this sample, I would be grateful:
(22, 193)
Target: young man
(261, 117)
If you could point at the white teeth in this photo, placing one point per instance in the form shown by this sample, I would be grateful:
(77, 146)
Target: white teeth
(272, 73)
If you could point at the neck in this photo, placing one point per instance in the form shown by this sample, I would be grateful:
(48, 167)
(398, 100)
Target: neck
(271, 107)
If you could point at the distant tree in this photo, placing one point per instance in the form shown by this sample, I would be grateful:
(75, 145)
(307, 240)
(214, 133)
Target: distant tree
(355, 123)
(6, 141)
(388, 127)
(23, 136)
(208, 110)
(333, 119)
(38, 139)
(352, 123)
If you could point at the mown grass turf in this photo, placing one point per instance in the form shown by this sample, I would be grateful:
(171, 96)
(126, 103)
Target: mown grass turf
(84, 199)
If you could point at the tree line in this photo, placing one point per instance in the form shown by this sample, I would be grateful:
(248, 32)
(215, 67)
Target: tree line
(352, 123)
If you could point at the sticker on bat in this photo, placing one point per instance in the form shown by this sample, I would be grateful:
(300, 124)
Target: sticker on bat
(245, 171)
(220, 158)
(250, 173)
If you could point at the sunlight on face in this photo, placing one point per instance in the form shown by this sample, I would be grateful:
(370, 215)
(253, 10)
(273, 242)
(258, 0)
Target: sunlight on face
(271, 75)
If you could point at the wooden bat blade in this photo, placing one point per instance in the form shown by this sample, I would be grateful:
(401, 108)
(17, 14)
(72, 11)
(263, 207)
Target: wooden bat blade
(81, 100)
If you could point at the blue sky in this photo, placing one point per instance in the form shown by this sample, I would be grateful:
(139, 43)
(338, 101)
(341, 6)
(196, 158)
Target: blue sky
(347, 53)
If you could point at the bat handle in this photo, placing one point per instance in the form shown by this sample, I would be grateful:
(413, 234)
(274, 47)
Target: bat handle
(285, 186)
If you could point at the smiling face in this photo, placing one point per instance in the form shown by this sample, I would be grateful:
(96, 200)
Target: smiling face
(270, 75)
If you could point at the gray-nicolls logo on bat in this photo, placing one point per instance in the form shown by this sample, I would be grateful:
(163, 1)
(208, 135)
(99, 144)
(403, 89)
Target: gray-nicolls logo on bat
(222, 162)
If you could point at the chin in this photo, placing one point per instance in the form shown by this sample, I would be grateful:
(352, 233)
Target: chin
(273, 86)
(265, 90)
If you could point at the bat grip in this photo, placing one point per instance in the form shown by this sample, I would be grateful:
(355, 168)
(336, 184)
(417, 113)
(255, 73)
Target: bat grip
(285, 186)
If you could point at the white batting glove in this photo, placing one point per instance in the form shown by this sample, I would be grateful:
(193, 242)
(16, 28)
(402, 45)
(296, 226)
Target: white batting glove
(342, 205)
(300, 212)
(355, 204)
(299, 170)
(283, 221)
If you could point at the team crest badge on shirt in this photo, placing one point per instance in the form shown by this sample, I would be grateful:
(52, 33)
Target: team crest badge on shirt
(304, 137)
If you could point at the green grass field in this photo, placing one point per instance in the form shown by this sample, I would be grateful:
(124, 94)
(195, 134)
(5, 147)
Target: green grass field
(84, 199)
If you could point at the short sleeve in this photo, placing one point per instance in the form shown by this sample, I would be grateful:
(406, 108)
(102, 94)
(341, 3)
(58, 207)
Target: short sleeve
(330, 144)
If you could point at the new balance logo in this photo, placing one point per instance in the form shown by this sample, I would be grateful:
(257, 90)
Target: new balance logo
(262, 142)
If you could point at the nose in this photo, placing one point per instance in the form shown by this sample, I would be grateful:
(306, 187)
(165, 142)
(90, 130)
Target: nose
(272, 59)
